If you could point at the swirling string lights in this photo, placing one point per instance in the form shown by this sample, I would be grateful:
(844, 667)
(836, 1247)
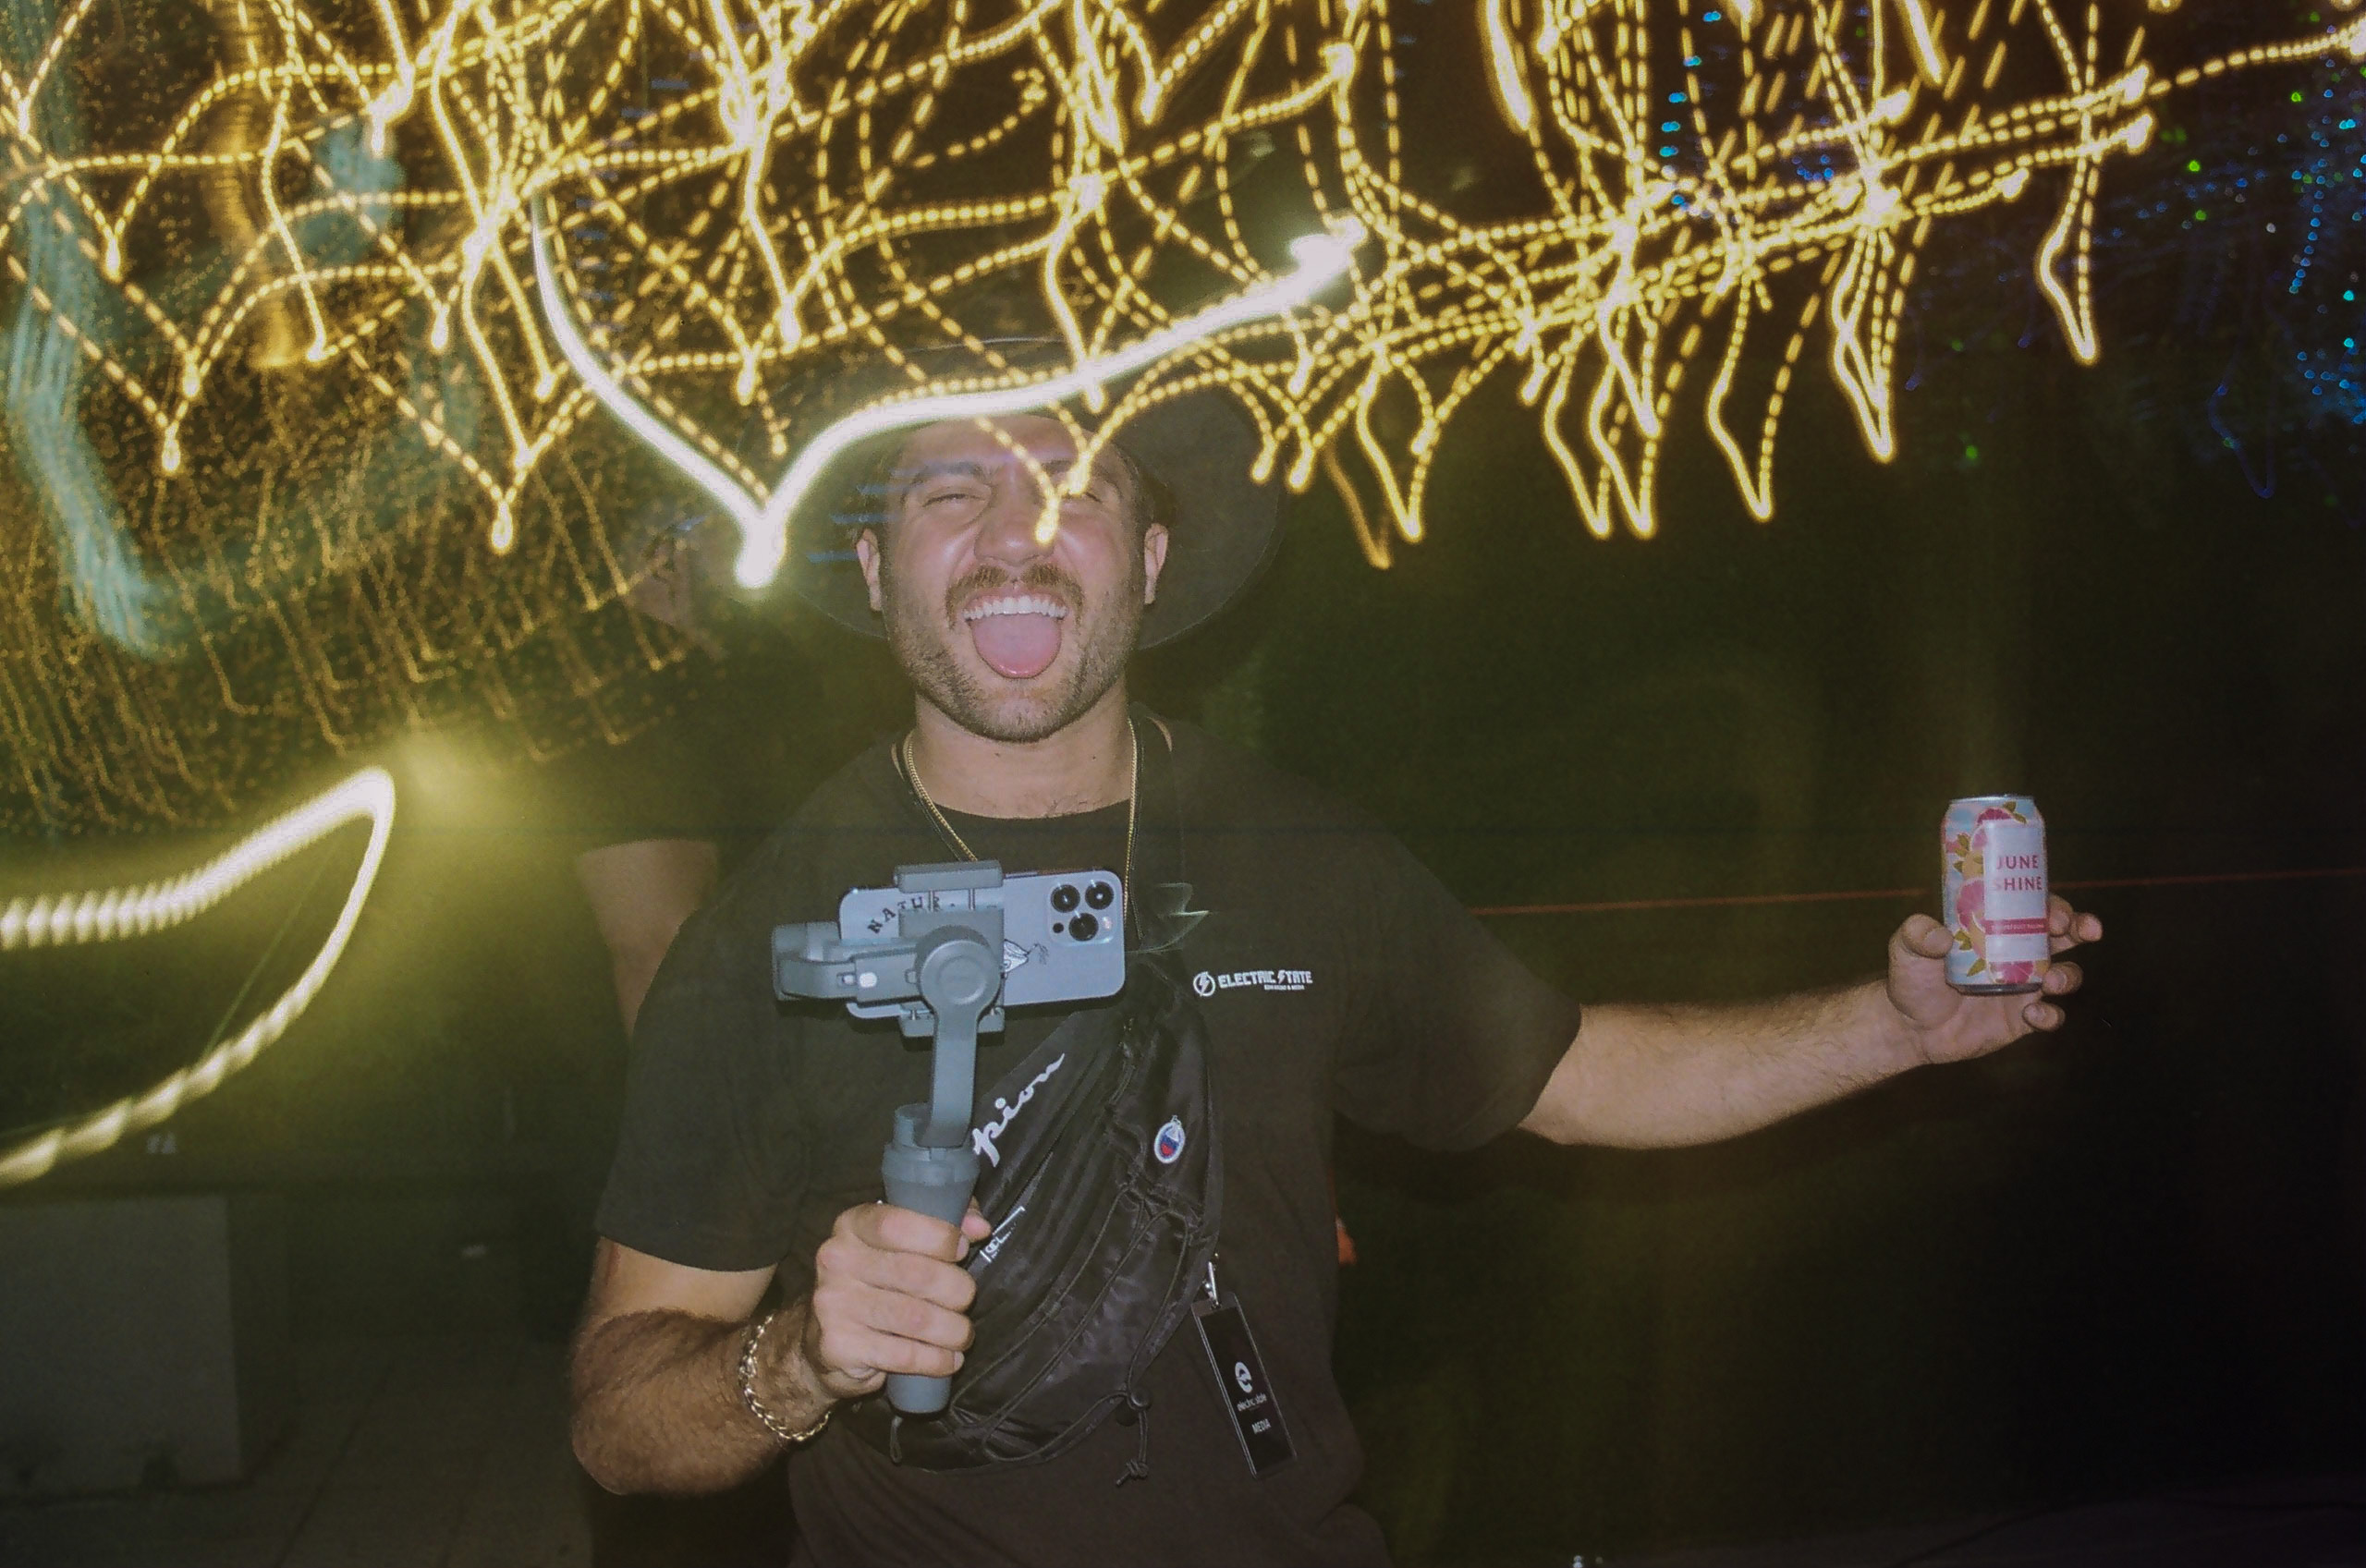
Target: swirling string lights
(338, 280)
(114, 914)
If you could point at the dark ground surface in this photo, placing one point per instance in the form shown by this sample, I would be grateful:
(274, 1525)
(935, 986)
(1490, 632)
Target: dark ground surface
(447, 1452)
(419, 1451)
(430, 1432)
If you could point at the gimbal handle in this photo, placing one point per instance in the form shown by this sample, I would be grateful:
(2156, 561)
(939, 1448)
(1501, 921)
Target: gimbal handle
(959, 978)
(947, 959)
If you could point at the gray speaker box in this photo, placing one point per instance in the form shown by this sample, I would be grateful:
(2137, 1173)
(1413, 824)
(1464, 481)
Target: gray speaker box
(143, 1341)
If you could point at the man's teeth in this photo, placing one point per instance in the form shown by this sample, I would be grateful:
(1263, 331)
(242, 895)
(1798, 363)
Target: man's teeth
(1024, 604)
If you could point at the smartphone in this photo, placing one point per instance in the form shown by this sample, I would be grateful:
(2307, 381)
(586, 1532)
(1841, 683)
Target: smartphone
(1062, 932)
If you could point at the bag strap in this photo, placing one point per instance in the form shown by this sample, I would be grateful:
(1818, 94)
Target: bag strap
(1158, 904)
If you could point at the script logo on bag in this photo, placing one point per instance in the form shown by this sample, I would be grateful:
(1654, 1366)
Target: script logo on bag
(1169, 1145)
(982, 1139)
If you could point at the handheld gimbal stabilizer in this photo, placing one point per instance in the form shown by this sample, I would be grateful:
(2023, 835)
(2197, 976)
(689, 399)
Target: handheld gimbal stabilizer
(943, 952)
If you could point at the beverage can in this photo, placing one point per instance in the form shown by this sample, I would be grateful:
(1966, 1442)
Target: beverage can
(1993, 895)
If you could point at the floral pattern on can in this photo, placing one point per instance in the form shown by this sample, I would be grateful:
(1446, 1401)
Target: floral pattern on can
(1993, 893)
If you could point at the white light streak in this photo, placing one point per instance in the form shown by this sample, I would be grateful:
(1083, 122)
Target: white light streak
(762, 521)
(1503, 67)
(111, 914)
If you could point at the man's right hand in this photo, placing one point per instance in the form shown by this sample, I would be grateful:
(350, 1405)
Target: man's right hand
(889, 1295)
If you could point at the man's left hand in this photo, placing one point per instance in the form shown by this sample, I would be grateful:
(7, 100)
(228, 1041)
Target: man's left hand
(1944, 1025)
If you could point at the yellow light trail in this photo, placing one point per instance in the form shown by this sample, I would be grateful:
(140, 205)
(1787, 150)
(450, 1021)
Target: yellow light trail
(113, 914)
(764, 520)
(719, 201)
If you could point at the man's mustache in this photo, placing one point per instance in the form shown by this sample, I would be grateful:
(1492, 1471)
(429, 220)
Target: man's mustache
(1042, 578)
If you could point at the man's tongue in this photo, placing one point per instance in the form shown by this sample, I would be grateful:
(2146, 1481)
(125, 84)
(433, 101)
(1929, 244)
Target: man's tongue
(1018, 647)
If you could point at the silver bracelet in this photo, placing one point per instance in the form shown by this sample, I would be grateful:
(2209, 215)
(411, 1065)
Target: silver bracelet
(772, 1423)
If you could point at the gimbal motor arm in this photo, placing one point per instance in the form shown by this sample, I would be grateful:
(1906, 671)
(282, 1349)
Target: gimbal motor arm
(941, 973)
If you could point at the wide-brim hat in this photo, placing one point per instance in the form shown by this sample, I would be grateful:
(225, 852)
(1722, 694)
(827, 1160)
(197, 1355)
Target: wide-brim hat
(1198, 446)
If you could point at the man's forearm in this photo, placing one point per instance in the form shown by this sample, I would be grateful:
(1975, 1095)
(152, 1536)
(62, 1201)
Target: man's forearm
(1663, 1076)
(657, 1405)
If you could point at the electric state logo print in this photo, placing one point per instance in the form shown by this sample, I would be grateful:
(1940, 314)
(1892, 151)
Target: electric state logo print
(1207, 983)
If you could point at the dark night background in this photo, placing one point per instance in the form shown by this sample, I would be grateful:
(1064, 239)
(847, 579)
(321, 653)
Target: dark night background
(2129, 1257)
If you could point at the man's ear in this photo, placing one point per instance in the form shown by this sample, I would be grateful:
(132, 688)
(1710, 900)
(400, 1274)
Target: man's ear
(866, 551)
(1154, 540)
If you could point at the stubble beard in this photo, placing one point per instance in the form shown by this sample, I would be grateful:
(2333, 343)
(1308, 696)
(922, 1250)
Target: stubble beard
(922, 644)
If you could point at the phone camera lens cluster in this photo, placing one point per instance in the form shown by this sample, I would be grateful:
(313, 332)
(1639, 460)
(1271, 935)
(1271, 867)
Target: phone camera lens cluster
(1079, 925)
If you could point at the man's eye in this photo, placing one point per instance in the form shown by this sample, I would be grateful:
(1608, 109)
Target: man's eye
(949, 493)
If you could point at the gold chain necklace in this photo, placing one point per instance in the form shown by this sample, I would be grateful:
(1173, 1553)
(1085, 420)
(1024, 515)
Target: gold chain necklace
(912, 772)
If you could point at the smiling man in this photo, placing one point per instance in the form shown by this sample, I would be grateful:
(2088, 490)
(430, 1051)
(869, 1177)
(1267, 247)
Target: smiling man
(751, 1285)
(999, 634)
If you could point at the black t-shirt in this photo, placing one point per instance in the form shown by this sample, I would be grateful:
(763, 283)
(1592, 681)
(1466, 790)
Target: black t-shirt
(1337, 976)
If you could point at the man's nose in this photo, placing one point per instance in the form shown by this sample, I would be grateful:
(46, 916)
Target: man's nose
(1007, 534)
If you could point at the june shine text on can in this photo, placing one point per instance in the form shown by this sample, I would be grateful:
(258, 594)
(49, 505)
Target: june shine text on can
(1993, 895)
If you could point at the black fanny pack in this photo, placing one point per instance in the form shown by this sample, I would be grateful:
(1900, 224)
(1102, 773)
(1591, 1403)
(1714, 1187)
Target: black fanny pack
(1103, 1182)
